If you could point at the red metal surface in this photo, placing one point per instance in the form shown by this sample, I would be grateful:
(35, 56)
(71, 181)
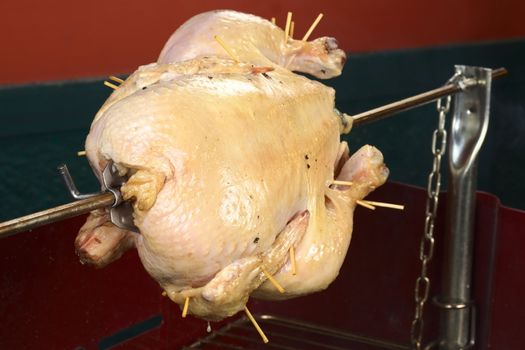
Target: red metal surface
(49, 300)
(508, 299)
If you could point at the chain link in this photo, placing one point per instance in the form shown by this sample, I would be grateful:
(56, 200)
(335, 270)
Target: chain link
(426, 248)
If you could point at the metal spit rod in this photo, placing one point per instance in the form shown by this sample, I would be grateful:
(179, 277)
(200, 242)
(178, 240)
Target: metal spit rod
(82, 206)
(412, 102)
(103, 200)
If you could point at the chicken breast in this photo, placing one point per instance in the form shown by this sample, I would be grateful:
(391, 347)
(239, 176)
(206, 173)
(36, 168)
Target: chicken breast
(231, 162)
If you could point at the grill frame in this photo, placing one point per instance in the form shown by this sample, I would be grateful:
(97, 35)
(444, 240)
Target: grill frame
(279, 328)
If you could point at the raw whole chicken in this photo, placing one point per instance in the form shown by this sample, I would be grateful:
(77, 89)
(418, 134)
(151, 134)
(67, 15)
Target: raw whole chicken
(230, 159)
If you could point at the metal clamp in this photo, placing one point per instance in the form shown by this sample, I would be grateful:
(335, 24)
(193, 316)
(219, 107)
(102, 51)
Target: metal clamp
(451, 304)
(120, 212)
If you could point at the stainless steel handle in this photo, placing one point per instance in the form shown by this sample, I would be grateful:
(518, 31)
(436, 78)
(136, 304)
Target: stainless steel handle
(468, 130)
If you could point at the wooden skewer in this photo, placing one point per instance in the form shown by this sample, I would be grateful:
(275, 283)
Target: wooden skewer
(273, 280)
(164, 293)
(226, 48)
(81, 153)
(185, 308)
(273, 21)
(292, 261)
(287, 27)
(344, 183)
(256, 325)
(312, 27)
(364, 204)
(114, 78)
(292, 26)
(113, 86)
(385, 205)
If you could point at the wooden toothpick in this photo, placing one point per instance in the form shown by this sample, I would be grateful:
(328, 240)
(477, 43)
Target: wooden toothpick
(287, 27)
(292, 261)
(81, 153)
(226, 48)
(364, 204)
(385, 205)
(344, 183)
(273, 21)
(113, 86)
(312, 27)
(185, 308)
(114, 78)
(256, 325)
(272, 280)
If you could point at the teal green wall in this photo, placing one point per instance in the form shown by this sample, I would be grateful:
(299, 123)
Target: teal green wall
(45, 125)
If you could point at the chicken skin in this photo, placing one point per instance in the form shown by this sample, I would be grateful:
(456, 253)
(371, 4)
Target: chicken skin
(231, 162)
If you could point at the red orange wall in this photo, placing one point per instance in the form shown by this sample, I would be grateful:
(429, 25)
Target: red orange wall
(63, 39)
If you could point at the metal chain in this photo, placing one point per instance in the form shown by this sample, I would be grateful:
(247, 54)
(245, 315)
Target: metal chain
(426, 248)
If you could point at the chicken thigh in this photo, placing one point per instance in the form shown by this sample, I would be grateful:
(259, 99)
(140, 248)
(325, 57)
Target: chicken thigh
(230, 163)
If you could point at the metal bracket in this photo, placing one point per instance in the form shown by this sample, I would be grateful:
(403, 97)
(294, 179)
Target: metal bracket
(121, 212)
(468, 130)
